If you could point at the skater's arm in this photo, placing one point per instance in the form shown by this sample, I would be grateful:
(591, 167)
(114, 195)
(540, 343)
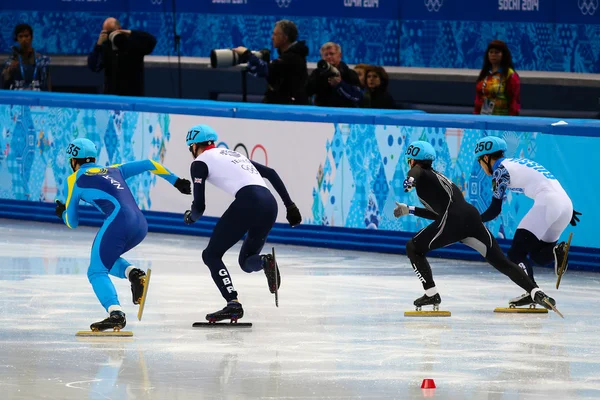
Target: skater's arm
(424, 213)
(71, 214)
(500, 182)
(137, 167)
(199, 173)
(272, 176)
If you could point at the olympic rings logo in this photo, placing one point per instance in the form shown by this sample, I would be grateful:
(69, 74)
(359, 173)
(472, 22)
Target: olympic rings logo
(156, 2)
(588, 7)
(243, 150)
(434, 5)
(283, 3)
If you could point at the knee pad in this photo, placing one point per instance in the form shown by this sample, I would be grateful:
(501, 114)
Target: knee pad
(411, 251)
(523, 244)
(207, 257)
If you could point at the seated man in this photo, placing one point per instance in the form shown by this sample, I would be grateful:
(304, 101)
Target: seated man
(25, 69)
(332, 83)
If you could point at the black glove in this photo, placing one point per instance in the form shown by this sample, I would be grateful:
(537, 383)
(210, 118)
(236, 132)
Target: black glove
(293, 215)
(575, 218)
(60, 208)
(183, 185)
(187, 217)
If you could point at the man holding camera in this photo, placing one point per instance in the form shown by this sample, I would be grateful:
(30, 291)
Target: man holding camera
(286, 76)
(332, 83)
(121, 54)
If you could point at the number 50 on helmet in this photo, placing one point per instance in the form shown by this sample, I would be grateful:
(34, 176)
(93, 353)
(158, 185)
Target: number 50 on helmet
(420, 151)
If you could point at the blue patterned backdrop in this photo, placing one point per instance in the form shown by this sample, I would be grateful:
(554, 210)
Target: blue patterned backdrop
(544, 46)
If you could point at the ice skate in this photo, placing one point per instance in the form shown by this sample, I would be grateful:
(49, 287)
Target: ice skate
(546, 301)
(561, 259)
(137, 277)
(113, 324)
(425, 300)
(523, 304)
(271, 269)
(233, 312)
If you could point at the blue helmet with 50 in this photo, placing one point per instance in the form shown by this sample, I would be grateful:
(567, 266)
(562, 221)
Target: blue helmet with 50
(489, 145)
(420, 151)
(201, 134)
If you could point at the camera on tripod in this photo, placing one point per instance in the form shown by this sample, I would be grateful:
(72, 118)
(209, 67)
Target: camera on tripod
(327, 70)
(224, 58)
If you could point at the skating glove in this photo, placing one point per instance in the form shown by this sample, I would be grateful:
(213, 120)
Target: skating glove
(401, 210)
(409, 184)
(575, 218)
(187, 217)
(183, 185)
(293, 215)
(60, 208)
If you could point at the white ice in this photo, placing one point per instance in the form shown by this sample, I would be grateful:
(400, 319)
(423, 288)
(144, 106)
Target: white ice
(339, 332)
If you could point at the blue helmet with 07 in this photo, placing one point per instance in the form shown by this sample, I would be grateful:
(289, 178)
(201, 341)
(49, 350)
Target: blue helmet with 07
(81, 148)
(420, 151)
(489, 145)
(201, 134)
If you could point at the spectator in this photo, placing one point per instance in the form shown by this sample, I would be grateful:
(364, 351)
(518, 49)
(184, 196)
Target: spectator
(376, 94)
(361, 70)
(333, 83)
(25, 69)
(121, 54)
(498, 90)
(286, 76)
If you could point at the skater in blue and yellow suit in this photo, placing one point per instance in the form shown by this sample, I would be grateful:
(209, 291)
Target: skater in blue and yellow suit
(124, 227)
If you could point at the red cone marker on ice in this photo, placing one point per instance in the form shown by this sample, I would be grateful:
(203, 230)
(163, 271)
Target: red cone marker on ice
(428, 384)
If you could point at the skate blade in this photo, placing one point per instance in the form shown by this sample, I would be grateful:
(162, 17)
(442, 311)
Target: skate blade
(563, 267)
(554, 308)
(104, 334)
(143, 300)
(276, 276)
(222, 325)
(427, 314)
(521, 310)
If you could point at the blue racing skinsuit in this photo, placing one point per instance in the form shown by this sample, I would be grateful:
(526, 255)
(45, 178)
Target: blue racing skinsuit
(124, 227)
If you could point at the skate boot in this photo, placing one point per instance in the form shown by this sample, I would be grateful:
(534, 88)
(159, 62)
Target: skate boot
(546, 301)
(137, 277)
(425, 300)
(521, 301)
(561, 262)
(233, 311)
(116, 322)
(271, 271)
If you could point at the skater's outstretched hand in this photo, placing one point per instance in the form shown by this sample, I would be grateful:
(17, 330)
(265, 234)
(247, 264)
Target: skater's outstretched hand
(187, 217)
(183, 185)
(409, 184)
(401, 210)
(293, 215)
(575, 218)
(60, 208)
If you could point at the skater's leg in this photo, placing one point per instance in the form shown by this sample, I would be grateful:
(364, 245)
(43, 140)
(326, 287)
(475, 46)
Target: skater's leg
(230, 228)
(524, 243)
(137, 231)
(250, 259)
(106, 250)
(484, 243)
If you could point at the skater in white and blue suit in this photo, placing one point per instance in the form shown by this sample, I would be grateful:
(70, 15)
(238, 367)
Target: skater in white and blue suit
(124, 227)
(252, 213)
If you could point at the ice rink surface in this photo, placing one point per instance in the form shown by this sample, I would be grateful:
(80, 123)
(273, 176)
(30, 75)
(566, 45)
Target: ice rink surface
(339, 332)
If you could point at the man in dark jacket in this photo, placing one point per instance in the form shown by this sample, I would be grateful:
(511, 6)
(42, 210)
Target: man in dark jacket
(332, 83)
(287, 75)
(121, 54)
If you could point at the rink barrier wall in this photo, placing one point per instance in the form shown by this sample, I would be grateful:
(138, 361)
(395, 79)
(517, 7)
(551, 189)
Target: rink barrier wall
(311, 233)
(581, 258)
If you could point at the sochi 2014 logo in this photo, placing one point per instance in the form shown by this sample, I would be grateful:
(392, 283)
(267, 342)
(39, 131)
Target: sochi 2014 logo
(434, 5)
(588, 7)
(283, 3)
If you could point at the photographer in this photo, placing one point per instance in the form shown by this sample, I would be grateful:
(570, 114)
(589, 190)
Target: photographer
(25, 69)
(121, 54)
(332, 83)
(286, 76)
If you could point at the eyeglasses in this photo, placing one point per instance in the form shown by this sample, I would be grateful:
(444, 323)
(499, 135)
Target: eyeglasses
(190, 148)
